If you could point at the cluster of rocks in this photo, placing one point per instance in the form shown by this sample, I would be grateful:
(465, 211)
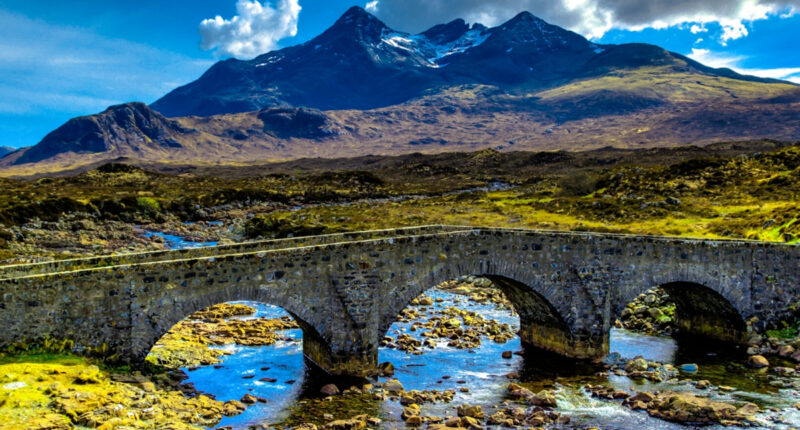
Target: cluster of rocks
(357, 422)
(478, 290)
(186, 344)
(83, 395)
(252, 332)
(650, 313)
(222, 311)
(391, 390)
(761, 345)
(461, 329)
(640, 368)
(537, 414)
(682, 407)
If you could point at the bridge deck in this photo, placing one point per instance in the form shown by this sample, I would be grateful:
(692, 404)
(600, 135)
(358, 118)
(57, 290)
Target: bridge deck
(60, 266)
(109, 261)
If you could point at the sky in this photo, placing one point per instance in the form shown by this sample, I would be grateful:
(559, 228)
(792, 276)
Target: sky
(59, 60)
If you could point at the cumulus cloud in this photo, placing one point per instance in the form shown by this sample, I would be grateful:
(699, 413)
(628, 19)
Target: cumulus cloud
(715, 59)
(592, 18)
(255, 29)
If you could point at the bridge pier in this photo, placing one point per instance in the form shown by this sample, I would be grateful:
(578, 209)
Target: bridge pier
(360, 364)
(357, 361)
(543, 327)
(561, 343)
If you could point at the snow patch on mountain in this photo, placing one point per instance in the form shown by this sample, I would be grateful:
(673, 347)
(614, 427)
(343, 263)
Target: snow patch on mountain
(433, 52)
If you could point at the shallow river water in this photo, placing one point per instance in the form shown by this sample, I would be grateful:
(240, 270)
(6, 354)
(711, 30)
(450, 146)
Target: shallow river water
(484, 372)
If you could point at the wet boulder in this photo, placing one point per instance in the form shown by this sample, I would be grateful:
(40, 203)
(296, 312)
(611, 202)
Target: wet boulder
(386, 369)
(329, 390)
(544, 398)
(757, 362)
(393, 386)
(470, 411)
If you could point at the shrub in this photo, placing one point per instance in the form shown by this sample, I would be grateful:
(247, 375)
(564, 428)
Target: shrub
(148, 205)
(579, 184)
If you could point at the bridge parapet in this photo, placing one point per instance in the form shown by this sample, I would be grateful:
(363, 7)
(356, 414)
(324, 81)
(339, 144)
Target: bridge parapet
(57, 266)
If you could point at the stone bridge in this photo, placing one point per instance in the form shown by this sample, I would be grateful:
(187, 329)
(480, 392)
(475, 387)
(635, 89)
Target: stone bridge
(345, 290)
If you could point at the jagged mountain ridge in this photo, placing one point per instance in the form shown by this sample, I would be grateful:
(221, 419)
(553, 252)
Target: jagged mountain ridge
(524, 85)
(360, 63)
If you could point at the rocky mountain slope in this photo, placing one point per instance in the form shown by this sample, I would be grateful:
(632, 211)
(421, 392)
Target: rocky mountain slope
(361, 88)
(360, 63)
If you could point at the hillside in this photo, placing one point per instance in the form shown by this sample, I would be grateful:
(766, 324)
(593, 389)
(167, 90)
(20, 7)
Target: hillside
(524, 85)
(739, 189)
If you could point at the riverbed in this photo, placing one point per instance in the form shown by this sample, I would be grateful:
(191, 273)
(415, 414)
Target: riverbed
(484, 373)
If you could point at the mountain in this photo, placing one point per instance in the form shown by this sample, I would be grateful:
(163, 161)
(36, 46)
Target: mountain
(362, 88)
(4, 150)
(360, 63)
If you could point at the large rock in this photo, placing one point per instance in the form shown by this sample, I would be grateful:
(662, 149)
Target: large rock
(517, 391)
(689, 408)
(386, 369)
(638, 364)
(393, 386)
(545, 399)
(471, 411)
(329, 390)
(757, 361)
(786, 351)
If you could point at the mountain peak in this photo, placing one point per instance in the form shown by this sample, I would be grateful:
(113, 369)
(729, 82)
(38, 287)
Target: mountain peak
(358, 23)
(125, 128)
(525, 19)
(355, 12)
(526, 16)
(356, 16)
(536, 33)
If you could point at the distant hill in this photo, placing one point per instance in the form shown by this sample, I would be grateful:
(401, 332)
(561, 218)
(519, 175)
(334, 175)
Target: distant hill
(6, 150)
(362, 88)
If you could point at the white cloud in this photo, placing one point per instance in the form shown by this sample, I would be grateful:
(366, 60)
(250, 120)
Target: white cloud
(592, 18)
(715, 59)
(255, 30)
(698, 29)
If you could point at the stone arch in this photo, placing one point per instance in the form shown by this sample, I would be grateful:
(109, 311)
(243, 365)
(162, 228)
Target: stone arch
(704, 307)
(164, 316)
(542, 324)
(702, 311)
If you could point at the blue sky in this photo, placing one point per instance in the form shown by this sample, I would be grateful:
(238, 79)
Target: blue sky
(59, 60)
